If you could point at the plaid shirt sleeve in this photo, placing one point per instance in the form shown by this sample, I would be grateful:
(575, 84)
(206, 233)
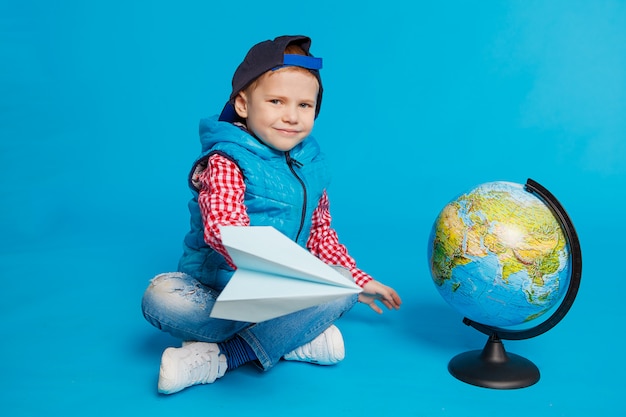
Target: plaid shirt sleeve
(221, 201)
(324, 243)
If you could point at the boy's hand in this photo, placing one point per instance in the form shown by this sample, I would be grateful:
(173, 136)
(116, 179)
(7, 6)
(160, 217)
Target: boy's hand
(375, 290)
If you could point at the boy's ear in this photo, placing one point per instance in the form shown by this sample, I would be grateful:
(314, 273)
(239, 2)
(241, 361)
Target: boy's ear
(241, 105)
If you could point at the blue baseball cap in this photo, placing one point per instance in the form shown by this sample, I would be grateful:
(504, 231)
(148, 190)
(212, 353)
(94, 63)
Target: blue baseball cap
(270, 55)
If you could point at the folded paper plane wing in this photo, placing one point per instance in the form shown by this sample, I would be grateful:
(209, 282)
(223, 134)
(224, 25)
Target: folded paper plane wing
(274, 276)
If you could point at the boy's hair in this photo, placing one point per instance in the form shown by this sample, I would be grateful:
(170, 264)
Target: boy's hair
(294, 49)
(283, 51)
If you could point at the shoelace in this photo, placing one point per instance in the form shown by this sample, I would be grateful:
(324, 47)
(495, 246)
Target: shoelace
(203, 365)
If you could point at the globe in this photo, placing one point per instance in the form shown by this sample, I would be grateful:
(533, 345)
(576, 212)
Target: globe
(504, 255)
(499, 256)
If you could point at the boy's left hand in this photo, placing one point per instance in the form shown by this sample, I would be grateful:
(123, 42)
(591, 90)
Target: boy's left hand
(374, 290)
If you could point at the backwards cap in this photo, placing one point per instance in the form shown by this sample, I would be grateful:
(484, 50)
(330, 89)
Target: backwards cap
(269, 55)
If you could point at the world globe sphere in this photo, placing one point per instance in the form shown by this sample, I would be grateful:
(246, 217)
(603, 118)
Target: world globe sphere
(499, 256)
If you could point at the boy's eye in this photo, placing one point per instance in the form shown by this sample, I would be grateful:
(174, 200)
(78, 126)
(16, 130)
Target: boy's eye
(305, 105)
(275, 101)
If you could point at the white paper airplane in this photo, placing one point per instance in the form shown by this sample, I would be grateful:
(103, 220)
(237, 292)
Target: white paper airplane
(275, 276)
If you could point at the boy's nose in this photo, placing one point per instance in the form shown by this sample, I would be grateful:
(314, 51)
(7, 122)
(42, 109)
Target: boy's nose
(290, 114)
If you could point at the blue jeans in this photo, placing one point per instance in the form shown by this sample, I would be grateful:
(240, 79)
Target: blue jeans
(180, 305)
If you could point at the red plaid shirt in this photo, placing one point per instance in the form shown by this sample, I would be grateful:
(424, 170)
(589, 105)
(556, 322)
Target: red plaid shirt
(221, 204)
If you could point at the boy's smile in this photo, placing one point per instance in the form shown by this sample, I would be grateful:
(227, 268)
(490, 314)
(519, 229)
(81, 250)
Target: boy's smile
(280, 108)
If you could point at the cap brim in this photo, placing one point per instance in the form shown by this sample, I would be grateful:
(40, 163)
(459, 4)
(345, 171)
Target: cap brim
(228, 114)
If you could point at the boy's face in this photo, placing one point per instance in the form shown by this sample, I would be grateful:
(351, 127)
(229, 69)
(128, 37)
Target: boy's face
(280, 110)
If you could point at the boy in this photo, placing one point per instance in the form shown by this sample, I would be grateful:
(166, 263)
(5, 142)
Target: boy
(258, 166)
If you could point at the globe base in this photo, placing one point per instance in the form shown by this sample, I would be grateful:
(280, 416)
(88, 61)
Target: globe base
(493, 367)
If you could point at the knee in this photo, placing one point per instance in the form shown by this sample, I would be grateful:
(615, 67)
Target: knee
(350, 301)
(341, 305)
(163, 290)
(164, 284)
(176, 293)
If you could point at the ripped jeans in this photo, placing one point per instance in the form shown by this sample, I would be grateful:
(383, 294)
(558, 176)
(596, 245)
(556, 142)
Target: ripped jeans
(180, 305)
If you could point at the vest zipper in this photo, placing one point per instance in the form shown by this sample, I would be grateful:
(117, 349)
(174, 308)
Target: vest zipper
(291, 163)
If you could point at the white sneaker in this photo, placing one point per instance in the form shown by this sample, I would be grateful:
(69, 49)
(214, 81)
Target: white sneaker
(192, 364)
(325, 349)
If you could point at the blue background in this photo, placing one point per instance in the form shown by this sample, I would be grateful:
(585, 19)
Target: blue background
(99, 105)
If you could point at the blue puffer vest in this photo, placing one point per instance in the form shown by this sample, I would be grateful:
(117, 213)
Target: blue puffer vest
(282, 190)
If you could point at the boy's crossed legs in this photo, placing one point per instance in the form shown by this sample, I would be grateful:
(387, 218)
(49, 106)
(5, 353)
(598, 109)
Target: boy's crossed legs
(180, 305)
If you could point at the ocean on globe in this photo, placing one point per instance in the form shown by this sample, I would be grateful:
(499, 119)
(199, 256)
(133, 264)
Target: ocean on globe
(499, 256)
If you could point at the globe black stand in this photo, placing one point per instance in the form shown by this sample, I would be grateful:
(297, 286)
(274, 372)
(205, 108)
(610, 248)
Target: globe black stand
(493, 367)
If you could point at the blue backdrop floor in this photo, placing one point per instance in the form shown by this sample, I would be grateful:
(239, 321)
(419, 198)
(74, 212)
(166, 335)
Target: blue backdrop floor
(75, 344)
(99, 106)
